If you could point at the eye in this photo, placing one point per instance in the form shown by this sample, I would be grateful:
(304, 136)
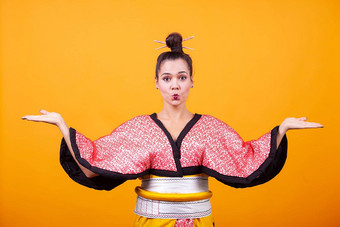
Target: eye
(183, 77)
(166, 79)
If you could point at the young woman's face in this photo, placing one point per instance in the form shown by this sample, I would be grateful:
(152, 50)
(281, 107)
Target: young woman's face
(174, 81)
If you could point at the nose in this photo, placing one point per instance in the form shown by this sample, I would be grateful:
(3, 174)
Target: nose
(175, 85)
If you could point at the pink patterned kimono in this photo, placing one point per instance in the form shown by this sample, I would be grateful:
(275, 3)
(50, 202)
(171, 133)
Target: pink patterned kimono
(142, 145)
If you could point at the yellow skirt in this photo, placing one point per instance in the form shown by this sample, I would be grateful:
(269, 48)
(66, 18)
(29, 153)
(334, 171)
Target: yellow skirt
(152, 222)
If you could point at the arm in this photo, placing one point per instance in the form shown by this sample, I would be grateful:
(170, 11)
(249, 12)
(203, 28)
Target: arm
(279, 137)
(56, 119)
(243, 164)
(107, 162)
(238, 163)
(66, 134)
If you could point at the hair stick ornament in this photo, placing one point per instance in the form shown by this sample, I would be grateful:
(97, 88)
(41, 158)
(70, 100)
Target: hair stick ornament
(157, 41)
(160, 47)
(189, 48)
(188, 38)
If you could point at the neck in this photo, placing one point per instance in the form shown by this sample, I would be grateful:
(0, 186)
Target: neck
(171, 112)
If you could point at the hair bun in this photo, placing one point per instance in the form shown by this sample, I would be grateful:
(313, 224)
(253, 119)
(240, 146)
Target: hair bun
(174, 42)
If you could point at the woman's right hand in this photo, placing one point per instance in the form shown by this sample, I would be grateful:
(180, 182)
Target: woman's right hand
(47, 117)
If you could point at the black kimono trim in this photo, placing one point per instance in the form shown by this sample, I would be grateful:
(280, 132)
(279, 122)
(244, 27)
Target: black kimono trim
(176, 146)
(75, 173)
(267, 170)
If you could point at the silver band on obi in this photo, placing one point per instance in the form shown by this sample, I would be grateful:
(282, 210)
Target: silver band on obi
(174, 197)
(172, 210)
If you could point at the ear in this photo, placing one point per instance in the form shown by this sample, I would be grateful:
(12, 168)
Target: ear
(156, 81)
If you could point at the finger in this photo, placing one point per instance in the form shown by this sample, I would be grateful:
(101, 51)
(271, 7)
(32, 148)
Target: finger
(34, 118)
(312, 125)
(44, 112)
(302, 118)
(316, 125)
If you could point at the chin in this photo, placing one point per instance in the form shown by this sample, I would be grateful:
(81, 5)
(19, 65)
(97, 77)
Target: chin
(175, 103)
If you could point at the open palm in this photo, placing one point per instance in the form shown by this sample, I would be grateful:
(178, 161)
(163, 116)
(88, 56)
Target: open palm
(299, 123)
(47, 117)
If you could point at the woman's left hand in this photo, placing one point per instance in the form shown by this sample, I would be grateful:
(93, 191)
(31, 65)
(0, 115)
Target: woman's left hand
(297, 123)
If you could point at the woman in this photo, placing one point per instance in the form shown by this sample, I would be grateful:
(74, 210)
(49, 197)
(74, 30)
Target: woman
(173, 151)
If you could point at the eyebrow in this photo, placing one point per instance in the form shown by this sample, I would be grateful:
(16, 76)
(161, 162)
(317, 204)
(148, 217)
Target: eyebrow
(177, 73)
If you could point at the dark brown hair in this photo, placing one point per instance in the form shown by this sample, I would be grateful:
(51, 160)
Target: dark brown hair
(174, 42)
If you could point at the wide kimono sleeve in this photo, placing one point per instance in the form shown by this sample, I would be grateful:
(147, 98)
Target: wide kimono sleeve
(243, 164)
(117, 157)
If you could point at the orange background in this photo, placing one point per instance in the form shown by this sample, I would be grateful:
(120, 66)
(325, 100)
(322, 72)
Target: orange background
(255, 63)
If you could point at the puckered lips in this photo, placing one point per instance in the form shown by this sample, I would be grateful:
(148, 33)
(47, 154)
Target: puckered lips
(175, 96)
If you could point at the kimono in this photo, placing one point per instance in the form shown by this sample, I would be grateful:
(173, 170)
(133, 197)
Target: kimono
(142, 146)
